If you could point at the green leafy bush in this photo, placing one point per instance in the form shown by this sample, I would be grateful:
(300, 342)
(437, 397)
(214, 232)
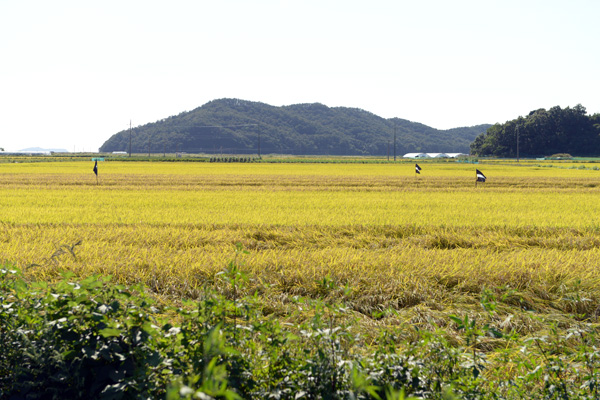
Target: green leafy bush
(93, 339)
(86, 339)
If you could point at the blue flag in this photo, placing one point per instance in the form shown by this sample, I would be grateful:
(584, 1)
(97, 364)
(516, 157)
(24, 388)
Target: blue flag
(96, 168)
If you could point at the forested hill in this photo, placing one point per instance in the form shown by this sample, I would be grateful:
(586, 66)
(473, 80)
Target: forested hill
(236, 126)
(542, 133)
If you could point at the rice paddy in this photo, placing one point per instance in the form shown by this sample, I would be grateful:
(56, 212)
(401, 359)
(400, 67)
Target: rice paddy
(410, 248)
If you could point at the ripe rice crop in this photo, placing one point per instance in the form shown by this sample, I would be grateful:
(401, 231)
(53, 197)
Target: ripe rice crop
(417, 245)
(516, 258)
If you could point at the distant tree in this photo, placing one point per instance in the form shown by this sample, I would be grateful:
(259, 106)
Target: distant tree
(543, 132)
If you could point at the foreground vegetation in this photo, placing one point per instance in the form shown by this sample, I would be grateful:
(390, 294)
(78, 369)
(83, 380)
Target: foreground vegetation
(93, 339)
(458, 284)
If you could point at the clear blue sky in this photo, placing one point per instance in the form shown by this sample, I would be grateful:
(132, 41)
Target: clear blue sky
(73, 73)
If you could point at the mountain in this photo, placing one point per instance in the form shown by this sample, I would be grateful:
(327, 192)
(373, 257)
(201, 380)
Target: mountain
(234, 126)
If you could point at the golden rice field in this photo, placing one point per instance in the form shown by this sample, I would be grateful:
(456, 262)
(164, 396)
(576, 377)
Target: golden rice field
(408, 248)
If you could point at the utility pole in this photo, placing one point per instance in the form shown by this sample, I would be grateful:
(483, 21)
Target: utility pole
(517, 143)
(148, 145)
(129, 138)
(388, 151)
(259, 143)
(394, 142)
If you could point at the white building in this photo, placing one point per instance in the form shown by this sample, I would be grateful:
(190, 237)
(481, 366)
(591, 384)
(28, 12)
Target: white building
(437, 155)
(433, 155)
(415, 155)
(454, 155)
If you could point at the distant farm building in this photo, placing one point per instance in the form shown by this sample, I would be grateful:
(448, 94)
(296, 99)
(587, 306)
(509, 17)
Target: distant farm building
(454, 155)
(433, 155)
(415, 155)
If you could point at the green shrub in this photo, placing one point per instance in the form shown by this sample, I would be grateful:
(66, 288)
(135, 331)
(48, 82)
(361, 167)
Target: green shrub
(93, 339)
(88, 339)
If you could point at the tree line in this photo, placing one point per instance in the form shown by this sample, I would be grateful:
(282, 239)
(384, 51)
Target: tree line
(542, 133)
